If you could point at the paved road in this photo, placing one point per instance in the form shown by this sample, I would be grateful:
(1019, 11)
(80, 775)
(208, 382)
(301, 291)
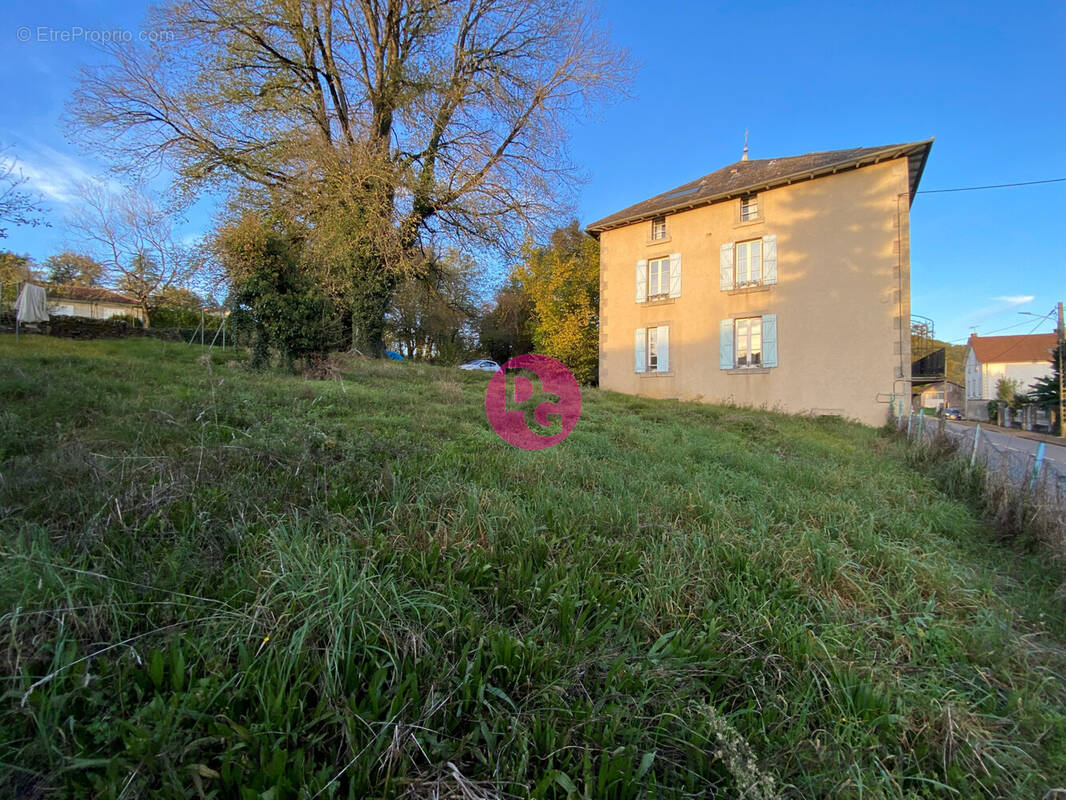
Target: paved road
(1020, 449)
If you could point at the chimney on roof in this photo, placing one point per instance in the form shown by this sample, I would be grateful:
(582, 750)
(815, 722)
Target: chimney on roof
(745, 156)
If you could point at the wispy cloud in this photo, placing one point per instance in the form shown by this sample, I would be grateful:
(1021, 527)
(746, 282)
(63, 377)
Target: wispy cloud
(997, 305)
(1015, 300)
(48, 172)
(53, 174)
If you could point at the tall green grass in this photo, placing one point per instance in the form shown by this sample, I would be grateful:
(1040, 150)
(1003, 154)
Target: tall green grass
(217, 583)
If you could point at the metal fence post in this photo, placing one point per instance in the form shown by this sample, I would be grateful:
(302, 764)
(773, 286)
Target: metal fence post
(910, 419)
(921, 421)
(976, 439)
(1037, 464)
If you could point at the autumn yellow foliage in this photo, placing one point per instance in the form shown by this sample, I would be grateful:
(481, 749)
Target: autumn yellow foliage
(563, 282)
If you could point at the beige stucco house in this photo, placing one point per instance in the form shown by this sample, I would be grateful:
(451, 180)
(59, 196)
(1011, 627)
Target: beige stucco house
(780, 283)
(989, 359)
(92, 302)
(939, 394)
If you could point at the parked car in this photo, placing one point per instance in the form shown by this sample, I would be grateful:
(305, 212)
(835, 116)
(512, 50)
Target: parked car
(482, 364)
(952, 413)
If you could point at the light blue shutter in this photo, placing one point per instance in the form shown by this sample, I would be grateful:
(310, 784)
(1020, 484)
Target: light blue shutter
(726, 265)
(663, 362)
(769, 258)
(725, 344)
(769, 340)
(639, 357)
(642, 281)
(675, 274)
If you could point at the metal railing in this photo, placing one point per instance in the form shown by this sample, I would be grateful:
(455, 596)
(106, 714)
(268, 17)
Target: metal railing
(1025, 467)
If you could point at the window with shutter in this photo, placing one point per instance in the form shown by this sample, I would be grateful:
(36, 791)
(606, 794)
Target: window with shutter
(748, 342)
(749, 263)
(659, 278)
(748, 338)
(651, 351)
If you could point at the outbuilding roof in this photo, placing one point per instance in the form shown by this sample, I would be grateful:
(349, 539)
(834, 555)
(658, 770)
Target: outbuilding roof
(745, 177)
(87, 294)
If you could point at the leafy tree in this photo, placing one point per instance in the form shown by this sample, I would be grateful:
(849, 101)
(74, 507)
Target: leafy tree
(178, 297)
(178, 307)
(74, 269)
(433, 317)
(1006, 389)
(506, 327)
(14, 268)
(394, 128)
(1045, 391)
(17, 206)
(271, 296)
(563, 281)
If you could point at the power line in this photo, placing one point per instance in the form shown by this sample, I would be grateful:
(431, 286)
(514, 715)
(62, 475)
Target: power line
(1000, 330)
(1039, 322)
(992, 186)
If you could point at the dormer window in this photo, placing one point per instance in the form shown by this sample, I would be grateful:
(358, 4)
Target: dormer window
(658, 228)
(749, 208)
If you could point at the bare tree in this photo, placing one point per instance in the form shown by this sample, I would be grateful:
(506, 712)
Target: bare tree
(395, 127)
(17, 206)
(133, 238)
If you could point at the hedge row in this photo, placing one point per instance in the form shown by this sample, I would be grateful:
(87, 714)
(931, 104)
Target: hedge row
(84, 328)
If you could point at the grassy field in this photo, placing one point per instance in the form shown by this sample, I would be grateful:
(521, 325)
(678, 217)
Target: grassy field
(216, 583)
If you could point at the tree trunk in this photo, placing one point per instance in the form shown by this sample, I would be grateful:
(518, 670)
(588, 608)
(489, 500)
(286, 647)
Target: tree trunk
(370, 304)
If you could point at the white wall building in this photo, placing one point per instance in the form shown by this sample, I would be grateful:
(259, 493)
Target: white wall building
(993, 358)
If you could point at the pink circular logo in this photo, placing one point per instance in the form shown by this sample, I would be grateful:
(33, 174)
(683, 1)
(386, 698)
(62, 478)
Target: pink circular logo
(533, 402)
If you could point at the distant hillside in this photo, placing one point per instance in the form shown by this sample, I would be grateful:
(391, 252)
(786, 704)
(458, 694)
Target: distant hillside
(955, 358)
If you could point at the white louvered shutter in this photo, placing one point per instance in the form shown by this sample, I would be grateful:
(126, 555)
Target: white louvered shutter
(725, 344)
(769, 340)
(642, 281)
(769, 258)
(663, 362)
(726, 265)
(639, 356)
(675, 274)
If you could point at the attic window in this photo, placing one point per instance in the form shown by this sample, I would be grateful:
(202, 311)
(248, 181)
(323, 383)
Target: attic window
(658, 228)
(749, 208)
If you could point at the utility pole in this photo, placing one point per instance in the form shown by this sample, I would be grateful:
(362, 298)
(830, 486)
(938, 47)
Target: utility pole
(1062, 395)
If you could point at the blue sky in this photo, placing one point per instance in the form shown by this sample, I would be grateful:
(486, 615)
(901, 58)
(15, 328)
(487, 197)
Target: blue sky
(987, 80)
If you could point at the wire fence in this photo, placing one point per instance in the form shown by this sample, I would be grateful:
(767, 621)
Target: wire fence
(1033, 471)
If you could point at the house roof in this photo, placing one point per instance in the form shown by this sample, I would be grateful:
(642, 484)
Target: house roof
(744, 177)
(1013, 349)
(86, 294)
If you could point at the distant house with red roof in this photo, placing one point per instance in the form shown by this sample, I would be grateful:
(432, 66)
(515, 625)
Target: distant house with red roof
(93, 302)
(992, 358)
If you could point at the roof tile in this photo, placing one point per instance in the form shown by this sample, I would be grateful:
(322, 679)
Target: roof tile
(743, 176)
(1013, 349)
